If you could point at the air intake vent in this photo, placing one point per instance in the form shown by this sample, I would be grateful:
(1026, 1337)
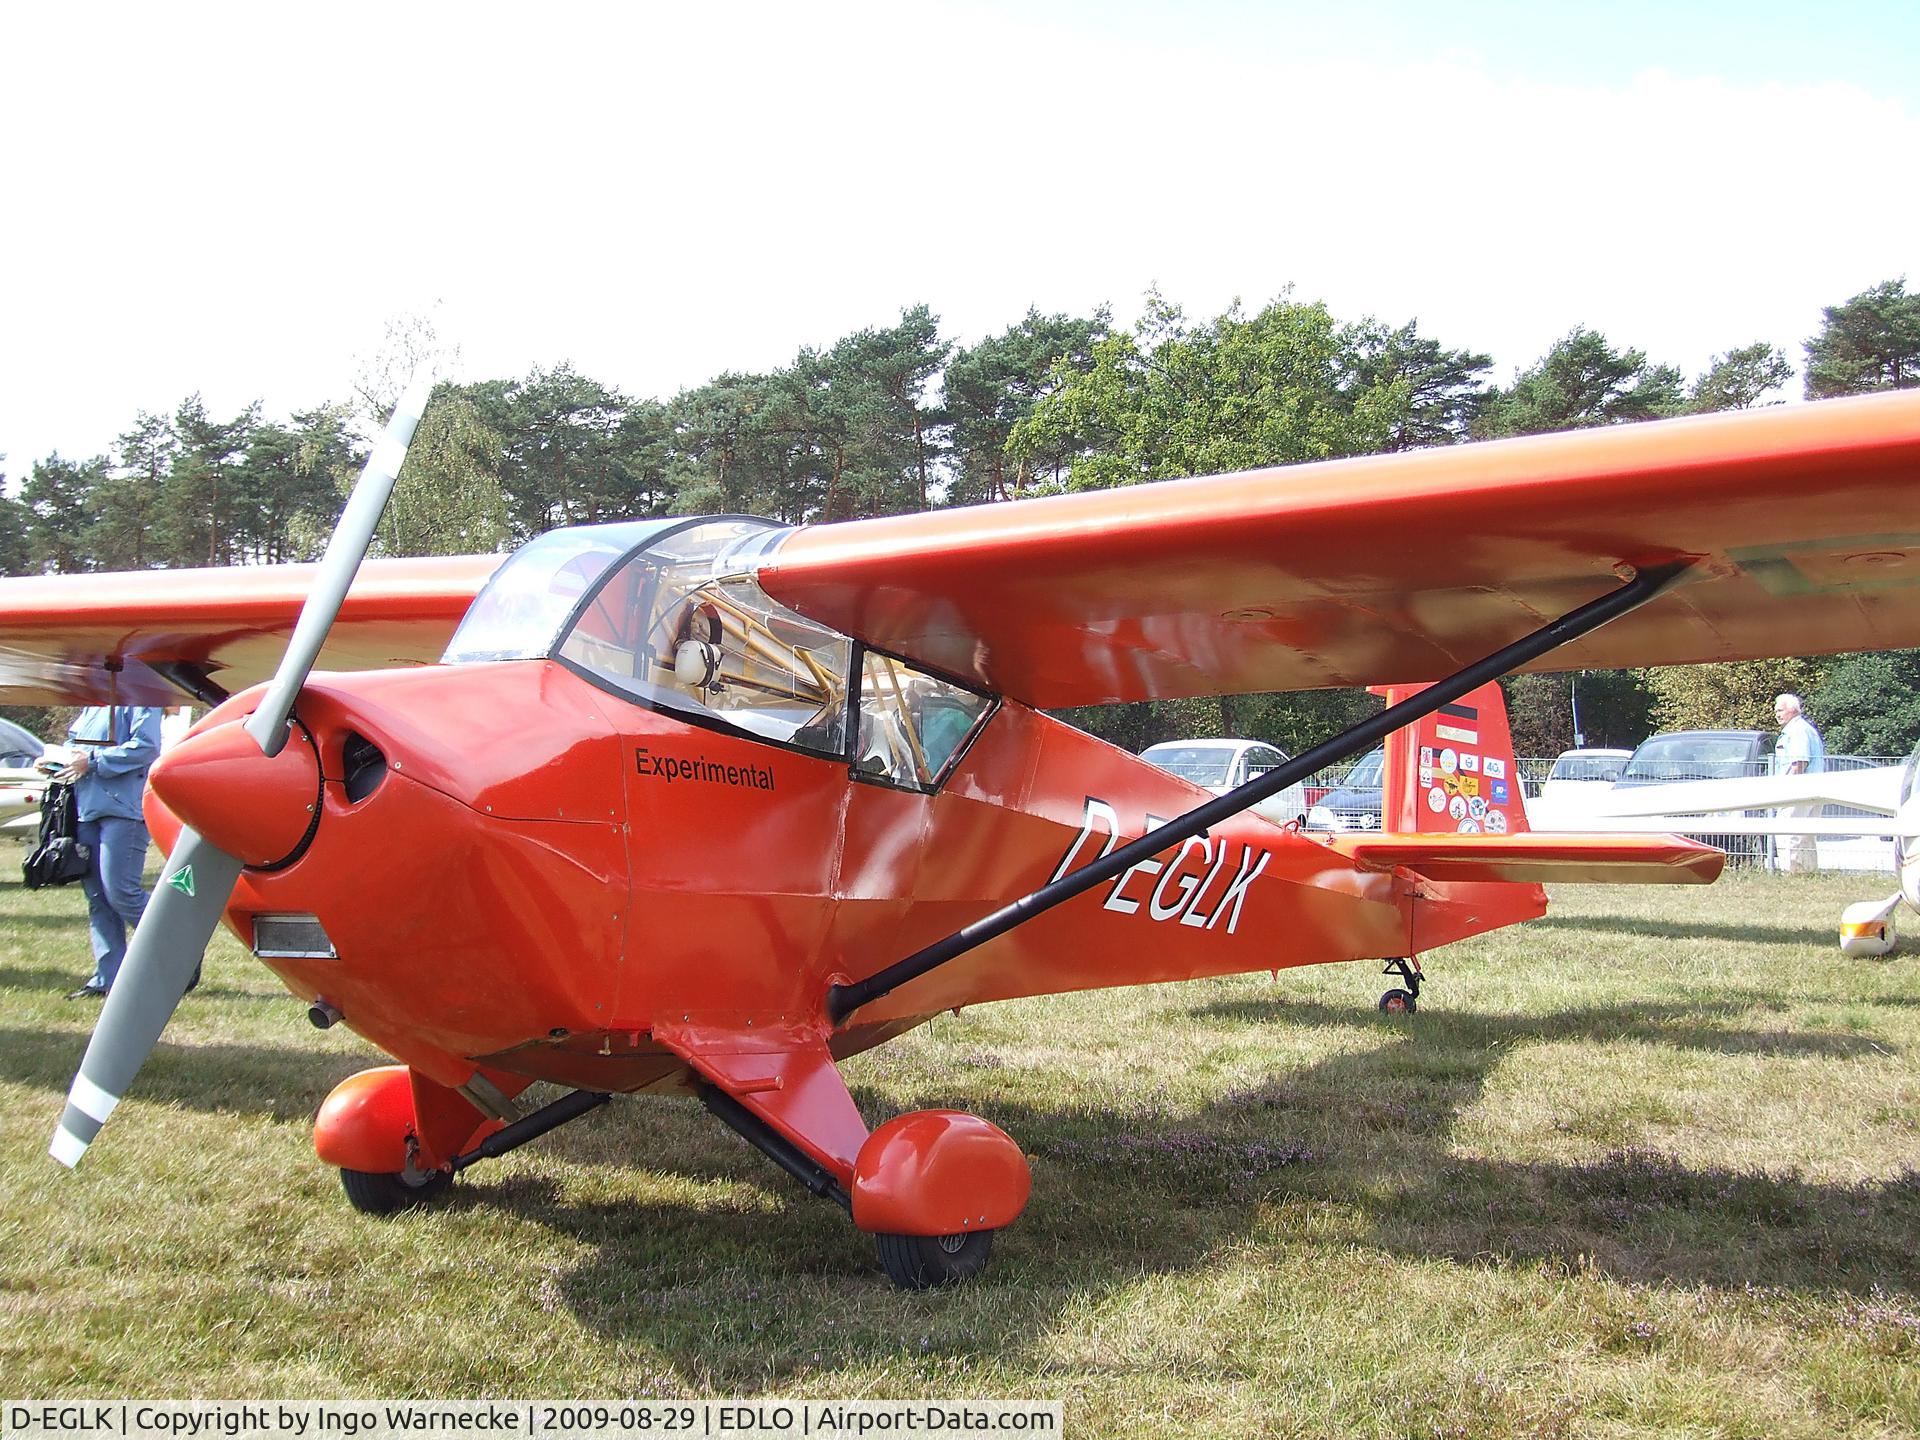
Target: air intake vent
(291, 937)
(365, 767)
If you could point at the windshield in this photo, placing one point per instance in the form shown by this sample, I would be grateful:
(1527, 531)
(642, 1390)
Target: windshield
(529, 598)
(1366, 774)
(681, 624)
(677, 624)
(1200, 764)
(1694, 757)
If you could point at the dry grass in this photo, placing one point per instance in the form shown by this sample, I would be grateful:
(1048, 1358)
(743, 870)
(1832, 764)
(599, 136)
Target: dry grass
(1646, 1167)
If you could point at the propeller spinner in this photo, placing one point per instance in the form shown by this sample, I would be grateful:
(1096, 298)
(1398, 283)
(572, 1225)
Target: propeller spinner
(199, 876)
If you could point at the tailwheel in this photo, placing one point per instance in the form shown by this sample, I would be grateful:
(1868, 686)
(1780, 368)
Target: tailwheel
(376, 1193)
(920, 1262)
(1398, 1002)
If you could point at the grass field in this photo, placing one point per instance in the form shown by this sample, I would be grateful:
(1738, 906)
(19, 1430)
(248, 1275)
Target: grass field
(1649, 1166)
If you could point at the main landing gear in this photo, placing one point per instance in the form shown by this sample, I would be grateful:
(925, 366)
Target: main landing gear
(382, 1193)
(907, 1184)
(398, 1140)
(920, 1262)
(1402, 1001)
(931, 1186)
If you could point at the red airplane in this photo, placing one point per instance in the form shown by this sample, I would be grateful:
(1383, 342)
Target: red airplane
(706, 805)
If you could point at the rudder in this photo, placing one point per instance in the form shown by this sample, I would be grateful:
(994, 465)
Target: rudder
(1453, 770)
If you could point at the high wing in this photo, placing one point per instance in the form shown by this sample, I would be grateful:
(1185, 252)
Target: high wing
(1802, 524)
(57, 632)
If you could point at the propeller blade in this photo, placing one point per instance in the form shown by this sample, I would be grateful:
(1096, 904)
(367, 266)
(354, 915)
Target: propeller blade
(351, 538)
(199, 877)
(167, 946)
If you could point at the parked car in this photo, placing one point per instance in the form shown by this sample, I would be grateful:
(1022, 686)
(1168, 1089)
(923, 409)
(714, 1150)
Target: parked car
(1223, 765)
(22, 780)
(1697, 755)
(20, 748)
(1705, 755)
(1577, 780)
(1356, 804)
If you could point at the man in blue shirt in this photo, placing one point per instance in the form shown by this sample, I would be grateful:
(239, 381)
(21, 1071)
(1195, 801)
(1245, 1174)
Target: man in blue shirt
(1798, 751)
(114, 746)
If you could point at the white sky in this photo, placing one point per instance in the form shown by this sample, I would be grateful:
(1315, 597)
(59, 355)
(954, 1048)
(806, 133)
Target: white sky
(237, 200)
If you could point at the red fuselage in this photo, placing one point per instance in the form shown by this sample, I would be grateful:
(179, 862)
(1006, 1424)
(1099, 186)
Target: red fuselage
(548, 871)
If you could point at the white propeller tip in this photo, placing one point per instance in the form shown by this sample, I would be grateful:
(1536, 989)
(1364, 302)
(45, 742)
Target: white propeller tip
(67, 1148)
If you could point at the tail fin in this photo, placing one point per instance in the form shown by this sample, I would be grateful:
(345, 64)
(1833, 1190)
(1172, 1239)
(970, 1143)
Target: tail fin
(1453, 770)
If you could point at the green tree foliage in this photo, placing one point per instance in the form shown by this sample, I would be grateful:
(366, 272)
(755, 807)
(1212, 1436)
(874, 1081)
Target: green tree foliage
(563, 461)
(61, 499)
(1734, 696)
(1616, 707)
(1294, 722)
(1740, 379)
(847, 431)
(1435, 391)
(447, 499)
(1581, 381)
(1868, 704)
(204, 511)
(878, 381)
(125, 532)
(290, 482)
(1615, 710)
(16, 553)
(1872, 342)
(720, 465)
(1238, 392)
(994, 385)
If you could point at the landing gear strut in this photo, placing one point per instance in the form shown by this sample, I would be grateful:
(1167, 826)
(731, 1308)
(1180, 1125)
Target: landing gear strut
(383, 1193)
(1398, 1001)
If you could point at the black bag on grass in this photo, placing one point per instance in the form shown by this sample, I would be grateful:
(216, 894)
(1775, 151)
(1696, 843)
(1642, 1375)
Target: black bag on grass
(59, 858)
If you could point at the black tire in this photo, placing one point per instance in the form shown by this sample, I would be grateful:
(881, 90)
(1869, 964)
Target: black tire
(920, 1262)
(382, 1193)
(1398, 1002)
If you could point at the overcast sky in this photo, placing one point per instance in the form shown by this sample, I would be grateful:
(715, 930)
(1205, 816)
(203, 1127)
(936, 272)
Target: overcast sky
(238, 200)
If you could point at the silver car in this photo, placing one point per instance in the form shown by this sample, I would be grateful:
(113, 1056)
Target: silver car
(1223, 765)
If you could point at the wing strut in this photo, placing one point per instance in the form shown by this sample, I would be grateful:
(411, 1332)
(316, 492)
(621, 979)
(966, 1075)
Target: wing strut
(843, 1000)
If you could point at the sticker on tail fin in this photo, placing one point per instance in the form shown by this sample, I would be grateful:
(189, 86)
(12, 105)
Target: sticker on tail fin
(1462, 752)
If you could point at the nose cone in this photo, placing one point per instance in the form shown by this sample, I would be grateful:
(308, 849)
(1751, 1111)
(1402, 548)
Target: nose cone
(260, 809)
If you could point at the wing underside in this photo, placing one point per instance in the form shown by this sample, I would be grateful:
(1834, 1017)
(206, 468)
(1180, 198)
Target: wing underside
(1801, 525)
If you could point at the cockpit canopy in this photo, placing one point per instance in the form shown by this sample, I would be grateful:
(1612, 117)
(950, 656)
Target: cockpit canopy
(668, 613)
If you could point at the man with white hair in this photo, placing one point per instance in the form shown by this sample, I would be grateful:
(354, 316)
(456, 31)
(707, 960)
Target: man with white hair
(1798, 751)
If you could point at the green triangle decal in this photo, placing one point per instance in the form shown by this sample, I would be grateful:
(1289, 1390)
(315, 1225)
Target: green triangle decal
(183, 880)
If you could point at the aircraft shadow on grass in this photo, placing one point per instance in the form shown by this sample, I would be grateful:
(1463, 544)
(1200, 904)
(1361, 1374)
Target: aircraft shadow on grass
(42, 978)
(279, 1084)
(1362, 1137)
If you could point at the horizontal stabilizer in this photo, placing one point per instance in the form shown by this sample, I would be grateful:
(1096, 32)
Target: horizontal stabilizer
(1535, 858)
